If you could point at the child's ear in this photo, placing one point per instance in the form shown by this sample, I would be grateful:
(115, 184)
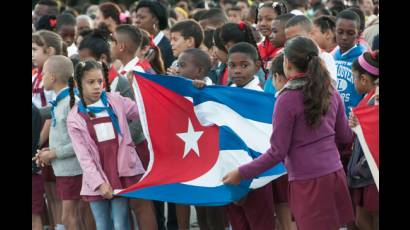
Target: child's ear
(50, 51)
(191, 42)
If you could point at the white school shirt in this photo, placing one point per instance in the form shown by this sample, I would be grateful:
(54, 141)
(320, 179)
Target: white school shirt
(71, 50)
(99, 103)
(131, 66)
(330, 64)
(254, 85)
(36, 97)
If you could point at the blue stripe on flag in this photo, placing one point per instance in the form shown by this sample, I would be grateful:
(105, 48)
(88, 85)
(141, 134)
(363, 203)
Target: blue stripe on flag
(233, 97)
(192, 195)
(229, 140)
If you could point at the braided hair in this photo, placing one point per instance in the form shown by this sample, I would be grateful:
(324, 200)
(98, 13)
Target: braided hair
(80, 69)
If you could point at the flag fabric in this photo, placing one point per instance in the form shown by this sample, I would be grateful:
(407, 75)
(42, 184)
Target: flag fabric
(196, 136)
(368, 134)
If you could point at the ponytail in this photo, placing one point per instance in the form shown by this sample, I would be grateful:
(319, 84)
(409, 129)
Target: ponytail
(316, 93)
(106, 79)
(156, 61)
(304, 55)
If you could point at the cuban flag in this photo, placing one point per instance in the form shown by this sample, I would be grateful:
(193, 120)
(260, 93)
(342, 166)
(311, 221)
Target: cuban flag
(196, 136)
(367, 132)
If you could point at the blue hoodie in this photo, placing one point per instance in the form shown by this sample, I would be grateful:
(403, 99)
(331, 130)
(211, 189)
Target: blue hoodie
(345, 81)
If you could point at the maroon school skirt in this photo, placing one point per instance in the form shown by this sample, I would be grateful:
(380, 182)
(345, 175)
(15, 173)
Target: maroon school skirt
(257, 212)
(322, 203)
(69, 187)
(37, 193)
(280, 189)
(367, 198)
(143, 153)
(125, 182)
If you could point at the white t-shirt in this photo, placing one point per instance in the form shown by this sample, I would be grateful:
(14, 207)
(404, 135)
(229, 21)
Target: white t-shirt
(330, 64)
(71, 50)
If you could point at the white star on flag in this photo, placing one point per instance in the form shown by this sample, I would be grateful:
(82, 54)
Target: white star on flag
(191, 139)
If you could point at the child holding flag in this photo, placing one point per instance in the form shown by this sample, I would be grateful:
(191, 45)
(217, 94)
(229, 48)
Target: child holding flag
(365, 194)
(308, 120)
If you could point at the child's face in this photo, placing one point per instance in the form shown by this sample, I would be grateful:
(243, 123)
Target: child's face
(67, 33)
(186, 67)
(244, 8)
(234, 16)
(278, 81)
(277, 37)
(38, 55)
(359, 82)
(179, 44)
(220, 55)
(116, 47)
(318, 36)
(241, 68)
(346, 34)
(92, 85)
(265, 17)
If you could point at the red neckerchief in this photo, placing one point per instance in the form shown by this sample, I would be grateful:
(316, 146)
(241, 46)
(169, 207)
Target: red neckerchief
(35, 87)
(112, 73)
(367, 98)
(225, 78)
(296, 75)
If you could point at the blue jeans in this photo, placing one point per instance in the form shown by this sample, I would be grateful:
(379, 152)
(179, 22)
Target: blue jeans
(111, 213)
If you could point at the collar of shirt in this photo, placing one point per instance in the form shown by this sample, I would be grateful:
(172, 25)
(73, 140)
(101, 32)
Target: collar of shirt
(254, 84)
(158, 38)
(129, 66)
(61, 90)
(349, 50)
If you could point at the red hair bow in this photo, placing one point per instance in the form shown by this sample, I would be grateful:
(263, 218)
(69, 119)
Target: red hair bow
(52, 22)
(241, 25)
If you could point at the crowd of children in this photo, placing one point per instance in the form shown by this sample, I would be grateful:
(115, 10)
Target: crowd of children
(319, 58)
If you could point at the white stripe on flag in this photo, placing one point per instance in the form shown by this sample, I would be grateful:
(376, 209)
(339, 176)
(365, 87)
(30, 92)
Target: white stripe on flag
(372, 164)
(255, 134)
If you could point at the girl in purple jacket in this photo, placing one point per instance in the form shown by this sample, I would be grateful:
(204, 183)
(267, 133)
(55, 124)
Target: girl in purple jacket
(101, 139)
(308, 120)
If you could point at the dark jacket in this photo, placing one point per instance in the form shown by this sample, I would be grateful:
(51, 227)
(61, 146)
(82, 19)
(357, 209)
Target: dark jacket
(166, 52)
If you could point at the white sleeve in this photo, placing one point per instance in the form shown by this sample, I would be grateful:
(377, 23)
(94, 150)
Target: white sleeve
(330, 64)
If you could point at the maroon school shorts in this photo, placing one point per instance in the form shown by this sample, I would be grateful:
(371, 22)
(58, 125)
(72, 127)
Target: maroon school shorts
(69, 187)
(280, 189)
(321, 203)
(367, 198)
(37, 193)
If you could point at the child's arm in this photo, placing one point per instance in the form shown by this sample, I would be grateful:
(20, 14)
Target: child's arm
(44, 133)
(130, 108)
(343, 133)
(78, 135)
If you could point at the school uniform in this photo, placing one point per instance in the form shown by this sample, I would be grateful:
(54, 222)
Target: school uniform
(267, 51)
(132, 65)
(39, 96)
(345, 81)
(105, 155)
(318, 195)
(66, 167)
(257, 212)
(37, 187)
(164, 45)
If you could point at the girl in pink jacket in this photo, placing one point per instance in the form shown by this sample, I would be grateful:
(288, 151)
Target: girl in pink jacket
(101, 139)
